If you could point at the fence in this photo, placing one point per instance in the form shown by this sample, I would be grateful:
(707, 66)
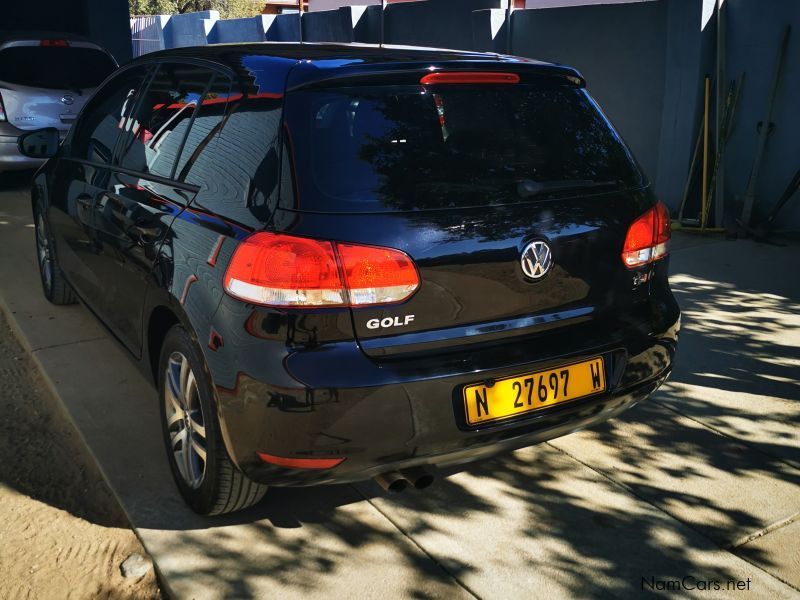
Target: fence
(147, 34)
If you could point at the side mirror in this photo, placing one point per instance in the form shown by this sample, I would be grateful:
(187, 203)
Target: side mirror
(42, 143)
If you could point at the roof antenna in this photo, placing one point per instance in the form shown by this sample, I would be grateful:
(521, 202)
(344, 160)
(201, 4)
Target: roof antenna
(509, 10)
(383, 12)
(300, 18)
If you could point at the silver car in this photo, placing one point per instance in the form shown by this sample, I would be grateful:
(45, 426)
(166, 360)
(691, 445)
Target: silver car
(45, 79)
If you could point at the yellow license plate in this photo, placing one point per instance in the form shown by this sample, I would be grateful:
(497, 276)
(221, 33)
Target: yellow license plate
(522, 394)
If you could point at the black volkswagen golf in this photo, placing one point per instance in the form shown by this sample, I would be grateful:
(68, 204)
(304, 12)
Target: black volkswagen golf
(345, 262)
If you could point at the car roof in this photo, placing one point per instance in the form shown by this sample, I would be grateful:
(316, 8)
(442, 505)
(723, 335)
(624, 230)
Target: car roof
(325, 61)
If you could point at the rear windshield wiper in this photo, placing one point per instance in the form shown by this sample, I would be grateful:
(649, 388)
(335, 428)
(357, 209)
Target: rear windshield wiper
(528, 187)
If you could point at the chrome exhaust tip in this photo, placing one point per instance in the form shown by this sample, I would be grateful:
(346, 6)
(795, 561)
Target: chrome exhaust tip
(419, 477)
(392, 481)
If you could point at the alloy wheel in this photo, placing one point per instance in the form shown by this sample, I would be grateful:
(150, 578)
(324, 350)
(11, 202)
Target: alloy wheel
(185, 420)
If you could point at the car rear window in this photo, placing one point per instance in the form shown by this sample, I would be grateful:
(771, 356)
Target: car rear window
(54, 67)
(402, 148)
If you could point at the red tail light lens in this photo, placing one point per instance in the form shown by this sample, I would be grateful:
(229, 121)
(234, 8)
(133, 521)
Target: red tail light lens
(376, 275)
(455, 77)
(283, 270)
(648, 238)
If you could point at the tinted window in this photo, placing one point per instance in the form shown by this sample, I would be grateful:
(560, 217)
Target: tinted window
(154, 134)
(412, 148)
(55, 67)
(238, 170)
(96, 132)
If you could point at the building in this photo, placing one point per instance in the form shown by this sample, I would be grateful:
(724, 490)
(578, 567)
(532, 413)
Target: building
(277, 7)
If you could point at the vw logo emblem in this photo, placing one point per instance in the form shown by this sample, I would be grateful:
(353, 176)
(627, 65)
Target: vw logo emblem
(536, 259)
(67, 99)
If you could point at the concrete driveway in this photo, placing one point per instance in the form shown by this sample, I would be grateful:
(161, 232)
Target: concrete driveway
(702, 482)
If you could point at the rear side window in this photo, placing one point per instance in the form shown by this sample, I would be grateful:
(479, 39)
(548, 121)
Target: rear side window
(103, 118)
(206, 124)
(239, 169)
(56, 67)
(416, 148)
(154, 134)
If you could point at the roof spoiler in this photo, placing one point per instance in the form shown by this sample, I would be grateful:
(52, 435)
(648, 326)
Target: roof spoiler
(523, 73)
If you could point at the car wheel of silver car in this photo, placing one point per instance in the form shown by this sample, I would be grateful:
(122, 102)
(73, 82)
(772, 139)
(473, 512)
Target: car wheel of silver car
(54, 286)
(203, 471)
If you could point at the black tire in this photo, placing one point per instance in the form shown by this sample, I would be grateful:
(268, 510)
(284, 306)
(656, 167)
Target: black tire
(221, 488)
(55, 287)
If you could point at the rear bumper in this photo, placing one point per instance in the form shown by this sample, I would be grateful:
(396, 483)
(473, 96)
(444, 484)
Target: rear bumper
(392, 450)
(408, 414)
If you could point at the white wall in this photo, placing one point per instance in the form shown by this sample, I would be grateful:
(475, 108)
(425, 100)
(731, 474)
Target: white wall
(314, 5)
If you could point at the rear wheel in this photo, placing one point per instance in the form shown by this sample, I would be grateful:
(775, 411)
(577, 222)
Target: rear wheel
(203, 471)
(54, 286)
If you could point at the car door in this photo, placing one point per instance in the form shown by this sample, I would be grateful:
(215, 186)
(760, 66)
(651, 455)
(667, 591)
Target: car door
(81, 175)
(134, 213)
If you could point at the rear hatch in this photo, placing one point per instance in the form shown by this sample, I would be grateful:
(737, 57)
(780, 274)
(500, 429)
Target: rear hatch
(45, 83)
(463, 178)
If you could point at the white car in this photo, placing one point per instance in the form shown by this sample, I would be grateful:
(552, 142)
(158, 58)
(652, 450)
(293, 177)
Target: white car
(45, 79)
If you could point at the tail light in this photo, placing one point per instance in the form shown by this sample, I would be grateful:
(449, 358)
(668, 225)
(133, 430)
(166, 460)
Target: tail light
(648, 238)
(284, 270)
(58, 43)
(2, 110)
(374, 275)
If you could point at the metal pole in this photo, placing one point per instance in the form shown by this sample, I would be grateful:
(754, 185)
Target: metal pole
(749, 197)
(704, 189)
(383, 12)
(300, 18)
(508, 26)
(719, 192)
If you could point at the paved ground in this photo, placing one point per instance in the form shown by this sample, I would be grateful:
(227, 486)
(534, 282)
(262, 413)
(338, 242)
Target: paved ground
(701, 481)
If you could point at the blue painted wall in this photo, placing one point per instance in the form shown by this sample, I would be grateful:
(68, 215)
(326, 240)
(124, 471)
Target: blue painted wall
(329, 26)
(251, 29)
(753, 35)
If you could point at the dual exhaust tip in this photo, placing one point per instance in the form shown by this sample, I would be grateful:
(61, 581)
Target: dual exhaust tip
(397, 481)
